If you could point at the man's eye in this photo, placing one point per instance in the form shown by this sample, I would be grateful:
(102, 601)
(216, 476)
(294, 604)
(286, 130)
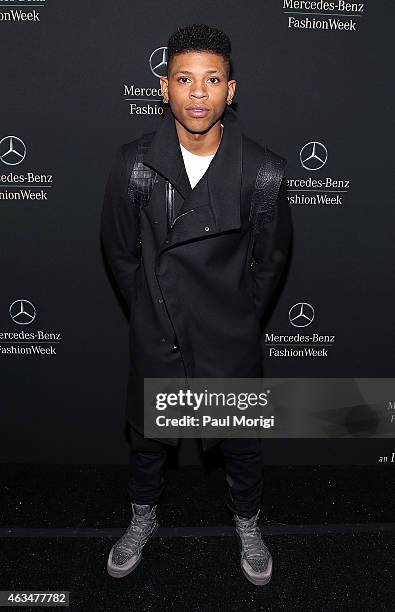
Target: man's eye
(184, 79)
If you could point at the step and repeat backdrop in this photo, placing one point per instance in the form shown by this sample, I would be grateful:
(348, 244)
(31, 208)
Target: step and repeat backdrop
(78, 79)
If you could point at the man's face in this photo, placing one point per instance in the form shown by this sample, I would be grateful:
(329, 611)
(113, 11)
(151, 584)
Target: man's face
(198, 89)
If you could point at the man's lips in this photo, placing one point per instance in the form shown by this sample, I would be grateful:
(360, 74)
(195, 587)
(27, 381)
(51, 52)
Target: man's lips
(197, 111)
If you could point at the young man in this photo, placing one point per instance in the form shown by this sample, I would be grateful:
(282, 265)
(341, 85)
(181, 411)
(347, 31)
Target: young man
(196, 278)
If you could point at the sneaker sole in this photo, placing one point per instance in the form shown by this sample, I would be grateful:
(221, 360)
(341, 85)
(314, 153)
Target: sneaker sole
(258, 581)
(120, 573)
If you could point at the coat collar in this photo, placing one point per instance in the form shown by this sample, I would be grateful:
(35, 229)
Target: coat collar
(219, 190)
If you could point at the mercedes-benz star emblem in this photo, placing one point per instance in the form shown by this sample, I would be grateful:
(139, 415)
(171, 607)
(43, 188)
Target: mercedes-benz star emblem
(22, 312)
(158, 62)
(313, 156)
(12, 150)
(301, 314)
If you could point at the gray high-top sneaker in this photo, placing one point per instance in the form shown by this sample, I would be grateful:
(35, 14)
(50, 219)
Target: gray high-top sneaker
(256, 560)
(127, 552)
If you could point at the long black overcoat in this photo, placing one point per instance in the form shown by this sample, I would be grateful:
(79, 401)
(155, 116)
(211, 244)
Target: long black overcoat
(196, 296)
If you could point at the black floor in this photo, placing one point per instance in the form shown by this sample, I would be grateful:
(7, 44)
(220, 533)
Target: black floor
(330, 531)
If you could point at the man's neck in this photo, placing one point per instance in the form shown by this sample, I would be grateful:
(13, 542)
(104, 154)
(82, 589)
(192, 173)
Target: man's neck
(200, 144)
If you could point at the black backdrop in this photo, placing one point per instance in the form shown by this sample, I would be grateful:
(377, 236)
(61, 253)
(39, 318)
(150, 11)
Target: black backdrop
(67, 76)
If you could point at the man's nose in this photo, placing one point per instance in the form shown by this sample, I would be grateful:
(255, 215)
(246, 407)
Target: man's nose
(199, 91)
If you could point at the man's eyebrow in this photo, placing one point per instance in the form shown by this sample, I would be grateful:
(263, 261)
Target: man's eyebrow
(189, 71)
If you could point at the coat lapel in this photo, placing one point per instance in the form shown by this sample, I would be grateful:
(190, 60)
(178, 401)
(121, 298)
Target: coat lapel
(164, 155)
(213, 206)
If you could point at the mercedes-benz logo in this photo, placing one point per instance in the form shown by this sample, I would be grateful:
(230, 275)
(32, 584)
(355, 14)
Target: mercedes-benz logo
(301, 314)
(158, 62)
(12, 150)
(22, 312)
(313, 155)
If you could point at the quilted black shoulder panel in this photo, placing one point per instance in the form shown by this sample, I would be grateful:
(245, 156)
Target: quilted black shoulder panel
(142, 178)
(267, 185)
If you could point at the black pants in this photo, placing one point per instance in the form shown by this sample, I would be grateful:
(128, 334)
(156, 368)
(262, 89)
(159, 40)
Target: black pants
(243, 470)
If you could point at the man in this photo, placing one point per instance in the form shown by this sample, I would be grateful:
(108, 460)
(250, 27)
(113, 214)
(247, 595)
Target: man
(178, 236)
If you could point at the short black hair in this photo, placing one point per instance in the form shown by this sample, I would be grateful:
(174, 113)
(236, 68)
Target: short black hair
(199, 37)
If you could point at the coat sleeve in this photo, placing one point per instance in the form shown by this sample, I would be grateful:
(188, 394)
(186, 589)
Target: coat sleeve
(119, 228)
(270, 253)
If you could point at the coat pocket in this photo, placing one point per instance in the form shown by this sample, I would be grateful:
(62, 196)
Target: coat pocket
(134, 293)
(250, 292)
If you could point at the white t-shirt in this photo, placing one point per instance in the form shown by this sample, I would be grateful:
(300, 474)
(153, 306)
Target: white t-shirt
(195, 165)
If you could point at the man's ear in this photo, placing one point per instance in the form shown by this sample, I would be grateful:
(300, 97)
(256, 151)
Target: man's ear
(231, 90)
(164, 86)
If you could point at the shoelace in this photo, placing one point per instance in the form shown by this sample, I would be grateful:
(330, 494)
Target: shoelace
(136, 534)
(253, 545)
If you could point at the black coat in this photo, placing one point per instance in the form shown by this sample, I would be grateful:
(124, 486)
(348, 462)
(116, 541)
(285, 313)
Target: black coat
(197, 304)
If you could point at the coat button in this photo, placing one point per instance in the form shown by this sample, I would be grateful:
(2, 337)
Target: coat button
(160, 300)
(175, 347)
(163, 339)
(206, 229)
